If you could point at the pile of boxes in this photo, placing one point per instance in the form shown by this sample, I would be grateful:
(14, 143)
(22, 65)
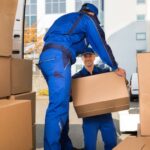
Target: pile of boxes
(17, 101)
(142, 141)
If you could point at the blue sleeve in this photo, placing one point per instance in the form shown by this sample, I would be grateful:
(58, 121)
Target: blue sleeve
(96, 37)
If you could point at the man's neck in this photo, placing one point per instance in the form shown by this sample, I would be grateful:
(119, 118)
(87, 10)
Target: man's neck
(89, 69)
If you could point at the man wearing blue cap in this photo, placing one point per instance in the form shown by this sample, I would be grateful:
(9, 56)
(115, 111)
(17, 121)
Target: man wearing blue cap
(104, 123)
(65, 39)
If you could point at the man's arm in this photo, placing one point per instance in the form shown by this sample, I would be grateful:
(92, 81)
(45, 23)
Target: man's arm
(96, 37)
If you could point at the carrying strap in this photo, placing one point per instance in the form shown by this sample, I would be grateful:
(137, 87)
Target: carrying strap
(76, 23)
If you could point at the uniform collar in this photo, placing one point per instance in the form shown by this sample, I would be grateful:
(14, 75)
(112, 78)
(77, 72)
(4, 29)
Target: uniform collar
(86, 72)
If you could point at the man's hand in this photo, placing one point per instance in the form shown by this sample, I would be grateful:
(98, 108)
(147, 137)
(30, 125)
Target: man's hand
(120, 72)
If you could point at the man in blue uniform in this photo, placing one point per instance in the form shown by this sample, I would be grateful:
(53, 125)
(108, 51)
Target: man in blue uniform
(104, 123)
(65, 39)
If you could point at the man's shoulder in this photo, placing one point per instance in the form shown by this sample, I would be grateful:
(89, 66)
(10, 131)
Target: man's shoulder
(71, 14)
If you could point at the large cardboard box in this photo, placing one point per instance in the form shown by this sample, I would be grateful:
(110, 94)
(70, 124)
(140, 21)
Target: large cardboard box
(134, 143)
(7, 18)
(99, 94)
(30, 96)
(144, 92)
(15, 125)
(21, 76)
(5, 77)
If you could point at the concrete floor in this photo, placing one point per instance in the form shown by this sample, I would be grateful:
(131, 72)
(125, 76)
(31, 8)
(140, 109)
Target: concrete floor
(75, 133)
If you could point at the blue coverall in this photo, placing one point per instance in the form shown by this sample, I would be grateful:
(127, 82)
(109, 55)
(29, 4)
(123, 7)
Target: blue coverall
(104, 123)
(65, 39)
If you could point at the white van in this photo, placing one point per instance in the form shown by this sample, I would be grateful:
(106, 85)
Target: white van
(134, 89)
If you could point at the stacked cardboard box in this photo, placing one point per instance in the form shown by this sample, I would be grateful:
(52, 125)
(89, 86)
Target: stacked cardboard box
(7, 16)
(15, 74)
(143, 132)
(32, 97)
(134, 143)
(21, 86)
(15, 125)
(16, 83)
(144, 92)
(99, 94)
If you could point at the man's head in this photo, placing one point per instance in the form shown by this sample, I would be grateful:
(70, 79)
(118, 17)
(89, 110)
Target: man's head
(89, 8)
(88, 58)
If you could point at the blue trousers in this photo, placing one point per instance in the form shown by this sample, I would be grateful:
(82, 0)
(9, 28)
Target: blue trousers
(58, 77)
(104, 123)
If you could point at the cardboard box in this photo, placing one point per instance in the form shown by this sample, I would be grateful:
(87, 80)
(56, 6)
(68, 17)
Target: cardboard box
(134, 143)
(7, 18)
(144, 92)
(30, 96)
(145, 114)
(99, 94)
(21, 76)
(144, 72)
(5, 83)
(15, 125)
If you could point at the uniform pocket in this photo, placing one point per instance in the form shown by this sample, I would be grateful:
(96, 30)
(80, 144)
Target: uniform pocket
(49, 59)
(46, 60)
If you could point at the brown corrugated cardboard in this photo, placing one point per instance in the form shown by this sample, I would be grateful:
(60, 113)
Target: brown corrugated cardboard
(21, 76)
(134, 143)
(99, 94)
(145, 114)
(6, 31)
(8, 7)
(30, 96)
(15, 125)
(5, 77)
(144, 92)
(144, 73)
(7, 17)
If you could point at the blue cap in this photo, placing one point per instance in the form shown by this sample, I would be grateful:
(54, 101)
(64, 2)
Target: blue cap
(90, 7)
(88, 50)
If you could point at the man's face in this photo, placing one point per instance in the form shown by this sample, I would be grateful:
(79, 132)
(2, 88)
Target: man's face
(88, 59)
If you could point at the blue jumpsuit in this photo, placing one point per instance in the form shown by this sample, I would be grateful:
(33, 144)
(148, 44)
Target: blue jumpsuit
(65, 39)
(104, 123)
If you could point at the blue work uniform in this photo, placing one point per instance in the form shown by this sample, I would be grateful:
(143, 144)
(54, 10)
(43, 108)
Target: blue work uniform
(104, 123)
(65, 39)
